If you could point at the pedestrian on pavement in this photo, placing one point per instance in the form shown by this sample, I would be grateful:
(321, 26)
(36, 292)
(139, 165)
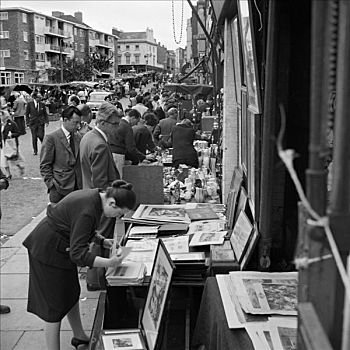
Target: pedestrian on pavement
(19, 111)
(10, 133)
(60, 243)
(142, 133)
(4, 184)
(36, 118)
(60, 158)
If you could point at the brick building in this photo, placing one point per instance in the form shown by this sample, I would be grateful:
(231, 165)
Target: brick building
(31, 42)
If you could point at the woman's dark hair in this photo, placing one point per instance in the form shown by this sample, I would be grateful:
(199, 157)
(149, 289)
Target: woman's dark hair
(133, 113)
(122, 193)
(160, 113)
(69, 111)
(150, 118)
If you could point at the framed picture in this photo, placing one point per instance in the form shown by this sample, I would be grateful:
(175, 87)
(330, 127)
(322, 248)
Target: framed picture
(249, 56)
(236, 59)
(241, 204)
(153, 311)
(123, 340)
(251, 244)
(231, 203)
(241, 235)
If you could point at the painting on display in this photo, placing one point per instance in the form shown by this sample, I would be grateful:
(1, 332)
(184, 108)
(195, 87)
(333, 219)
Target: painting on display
(249, 56)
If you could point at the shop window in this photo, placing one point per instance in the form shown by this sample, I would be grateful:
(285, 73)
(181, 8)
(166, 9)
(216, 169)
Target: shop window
(19, 78)
(5, 78)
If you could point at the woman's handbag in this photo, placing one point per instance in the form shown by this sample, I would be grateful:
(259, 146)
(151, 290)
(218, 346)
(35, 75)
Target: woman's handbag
(10, 149)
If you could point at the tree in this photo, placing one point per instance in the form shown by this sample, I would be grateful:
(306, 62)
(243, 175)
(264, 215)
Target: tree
(73, 70)
(101, 62)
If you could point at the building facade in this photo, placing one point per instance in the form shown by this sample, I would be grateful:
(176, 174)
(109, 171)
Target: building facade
(137, 52)
(31, 43)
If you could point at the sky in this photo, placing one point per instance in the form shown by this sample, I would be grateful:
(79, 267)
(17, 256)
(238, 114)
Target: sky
(126, 15)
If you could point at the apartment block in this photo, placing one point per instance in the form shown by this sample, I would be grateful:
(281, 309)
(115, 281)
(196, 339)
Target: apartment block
(31, 43)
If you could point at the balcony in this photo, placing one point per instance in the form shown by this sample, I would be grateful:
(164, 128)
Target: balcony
(56, 32)
(56, 49)
(104, 43)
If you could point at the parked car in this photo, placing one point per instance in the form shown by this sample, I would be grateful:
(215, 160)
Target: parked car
(95, 100)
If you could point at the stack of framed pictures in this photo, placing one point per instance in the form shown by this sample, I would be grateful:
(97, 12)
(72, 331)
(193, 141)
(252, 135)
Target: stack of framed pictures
(148, 335)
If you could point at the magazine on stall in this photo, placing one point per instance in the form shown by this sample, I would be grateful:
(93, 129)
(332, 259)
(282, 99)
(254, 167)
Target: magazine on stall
(206, 226)
(207, 238)
(266, 292)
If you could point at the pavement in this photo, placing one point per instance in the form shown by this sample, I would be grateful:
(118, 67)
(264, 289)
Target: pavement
(21, 330)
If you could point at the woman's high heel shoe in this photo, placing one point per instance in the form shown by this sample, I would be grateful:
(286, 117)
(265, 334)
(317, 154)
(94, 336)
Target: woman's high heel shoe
(76, 342)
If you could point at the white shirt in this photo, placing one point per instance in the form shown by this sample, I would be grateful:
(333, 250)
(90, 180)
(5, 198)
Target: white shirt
(66, 133)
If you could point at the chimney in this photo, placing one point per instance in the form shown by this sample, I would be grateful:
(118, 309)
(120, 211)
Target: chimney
(79, 16)
(58, 14)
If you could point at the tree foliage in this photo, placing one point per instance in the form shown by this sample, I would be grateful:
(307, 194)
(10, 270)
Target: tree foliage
(77, 70)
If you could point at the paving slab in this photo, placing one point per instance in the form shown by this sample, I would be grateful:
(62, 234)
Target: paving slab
(17, 264)
(19, 319)
(9, 339)
(14, 286)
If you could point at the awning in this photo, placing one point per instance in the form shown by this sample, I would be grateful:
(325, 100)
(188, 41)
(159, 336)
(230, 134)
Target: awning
(195, 89)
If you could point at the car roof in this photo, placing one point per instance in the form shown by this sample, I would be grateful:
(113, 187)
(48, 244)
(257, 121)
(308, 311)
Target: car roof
(101, 92)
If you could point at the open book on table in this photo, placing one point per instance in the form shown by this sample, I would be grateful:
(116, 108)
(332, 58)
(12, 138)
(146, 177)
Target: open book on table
(148, 335)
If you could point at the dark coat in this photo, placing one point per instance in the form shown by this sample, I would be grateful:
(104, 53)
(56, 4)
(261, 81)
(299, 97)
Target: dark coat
(58, 165)
(124, 143)
(72, 223)
(97, 164)
(143, 138)
(184, 152)
(35, 117)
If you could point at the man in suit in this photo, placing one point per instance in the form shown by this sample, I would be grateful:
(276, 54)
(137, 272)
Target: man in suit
(162, 131)
(59, 156)
(36, 118)
(97, 165)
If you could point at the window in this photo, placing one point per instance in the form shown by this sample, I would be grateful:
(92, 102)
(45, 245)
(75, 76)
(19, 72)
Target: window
(127, 59)
(137, 47)
(5, 78)
(137, 59)
(75, 31)
(119, 59)
(39, 39)
(5, 53)
(127, 47)
(4, 34)
(118, 47)
(25, 36)
(19, 78)
(26, 55)
(76, 46)
(82, 49)
(81, 33)
(24, 17)
(4, 16)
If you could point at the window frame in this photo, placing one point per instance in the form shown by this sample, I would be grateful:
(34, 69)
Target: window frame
(3, 17)
(6, 77)
(24, 17)
(18, 77)
(25, 37)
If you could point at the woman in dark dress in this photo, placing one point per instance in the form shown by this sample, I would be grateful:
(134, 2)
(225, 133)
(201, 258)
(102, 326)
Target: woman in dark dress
(60, 243)
(182, 137)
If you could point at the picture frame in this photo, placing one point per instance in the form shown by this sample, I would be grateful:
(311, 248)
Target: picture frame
(148, 335)
(241, 235)
(249, 55)
(252, 242)
(236, 182)
(236, 59)
(157, 295)
(241, 203)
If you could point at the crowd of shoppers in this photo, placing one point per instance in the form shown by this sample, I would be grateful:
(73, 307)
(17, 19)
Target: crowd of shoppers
(82, 167)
